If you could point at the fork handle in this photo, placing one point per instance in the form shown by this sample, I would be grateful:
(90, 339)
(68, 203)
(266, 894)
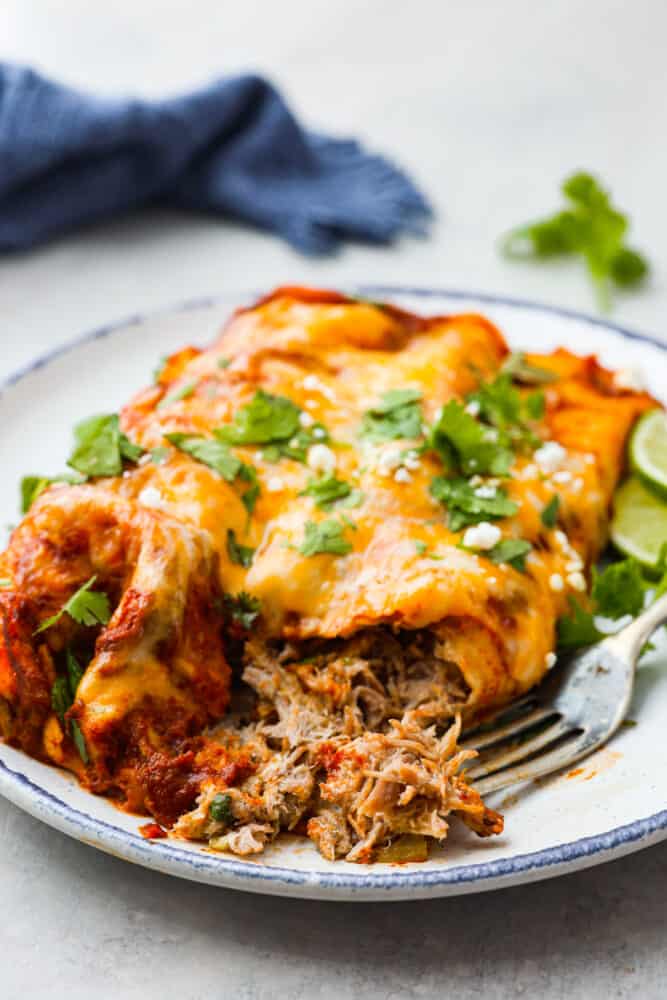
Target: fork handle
(629, 641)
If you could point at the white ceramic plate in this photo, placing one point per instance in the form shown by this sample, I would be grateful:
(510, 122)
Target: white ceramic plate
(615, 804)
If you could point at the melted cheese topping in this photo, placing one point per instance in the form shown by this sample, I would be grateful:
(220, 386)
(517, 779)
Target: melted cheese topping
(334, 359)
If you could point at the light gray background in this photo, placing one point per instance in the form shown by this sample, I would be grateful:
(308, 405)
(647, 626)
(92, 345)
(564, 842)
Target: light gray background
(489, 105)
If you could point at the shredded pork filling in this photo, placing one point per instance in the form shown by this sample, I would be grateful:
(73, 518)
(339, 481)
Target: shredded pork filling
(353, 742)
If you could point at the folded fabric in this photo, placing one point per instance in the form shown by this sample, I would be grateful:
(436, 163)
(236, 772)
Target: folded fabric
(233, 148)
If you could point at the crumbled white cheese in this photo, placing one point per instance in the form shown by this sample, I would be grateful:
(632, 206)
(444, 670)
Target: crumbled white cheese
(482, 536)
(574, 565)
(388, 461)
(310, 403)
(306, 419)
(313, 384)
(529, 471)
(473, 408)
(576, 580)
(589, 459)
(411, 460)
(150, 496)
(485, 492)
(402, 476)
(275, 484)
(561, 539)
(319, 432)
(564, 476)
(550, 661)
(550, 456)
(321, 458)
(145, 459)
(294, 442)
(630, 378)
(556, 582)
(577, 485)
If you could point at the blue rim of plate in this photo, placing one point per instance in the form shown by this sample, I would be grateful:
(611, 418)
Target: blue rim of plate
(18, 788)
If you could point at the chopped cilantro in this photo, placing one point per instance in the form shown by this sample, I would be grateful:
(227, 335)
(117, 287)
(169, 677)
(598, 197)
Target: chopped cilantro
(86, 606)
(100, 447)
(578, 628)
(33, 486)
(464, 443)
(251, 495)
(224, 362)
(240, 554)
(264, 420)
(329, 491)
(619, 589)
(79, 741)
(512, 551)
(422, 549)
(159, 455)
(210, 452)
(520, 370)
(61, 699)
(324, 537)
(549, 515)
(220, 809)
(297, 447)
(158, 371)
(183, 391)
(535, 405)
(63, 693)
(243, 609)
(396, 415)
(464, 504)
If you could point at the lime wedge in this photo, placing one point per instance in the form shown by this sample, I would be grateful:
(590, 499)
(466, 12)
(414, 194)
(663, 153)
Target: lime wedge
(648, 450)
(639, 524)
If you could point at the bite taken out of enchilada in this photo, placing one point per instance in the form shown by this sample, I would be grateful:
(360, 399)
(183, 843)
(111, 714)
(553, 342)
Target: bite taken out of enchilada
(269, 592)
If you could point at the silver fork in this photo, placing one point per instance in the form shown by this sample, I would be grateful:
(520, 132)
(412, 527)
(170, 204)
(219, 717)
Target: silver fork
(568, 716)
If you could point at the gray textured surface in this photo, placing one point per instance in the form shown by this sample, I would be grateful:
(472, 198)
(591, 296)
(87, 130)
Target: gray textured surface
(489, 104)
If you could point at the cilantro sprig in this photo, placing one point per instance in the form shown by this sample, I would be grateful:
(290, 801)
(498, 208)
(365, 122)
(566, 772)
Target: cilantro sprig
(502, 406)
(100, 447)
(242, 609)
(33, 486)
(242, 555)
(63, 694)
(591, 227)
(324, 537)
(465, 444)
(464, 504)
(86, 606)
(396, 415)
(617, 591)
(219, 457)
(329, 492)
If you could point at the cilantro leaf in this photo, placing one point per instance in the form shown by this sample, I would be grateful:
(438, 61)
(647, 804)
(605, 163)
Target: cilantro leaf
(100, 447)
(183, 391)
(242, 609)
(224, 362)
(33, 486)
(464, 442)
(512, 551)
(86, 606)
(464, 504)
(619, 589)
(297, 447)
(220, 809)
(549, 515)
(578, 628)
(396, 415)
(329, 491)
(159, 455)
(209, 452)
(593, 228)
(324, 537)
(61, 699)
(501, 404)
(535, 404)
(251, 495)
(79, 741)
(263, 420)
(74, 671)
(520, 370)
(242, 555)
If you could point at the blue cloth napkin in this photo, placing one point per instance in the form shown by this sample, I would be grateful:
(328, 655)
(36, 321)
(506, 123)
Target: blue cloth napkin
(232, 148)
